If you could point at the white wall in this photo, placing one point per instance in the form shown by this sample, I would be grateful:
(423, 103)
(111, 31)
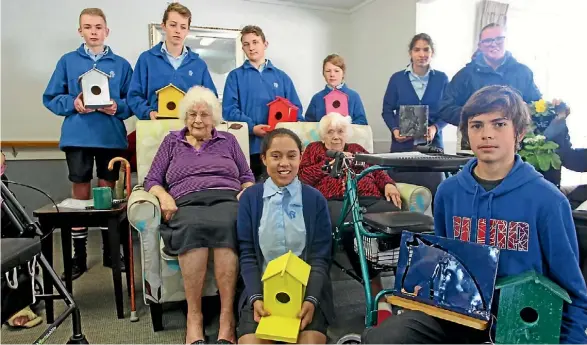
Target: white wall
(377, 46)
(298, 41)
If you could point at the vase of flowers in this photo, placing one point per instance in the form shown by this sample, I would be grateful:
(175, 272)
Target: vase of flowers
(536, 150)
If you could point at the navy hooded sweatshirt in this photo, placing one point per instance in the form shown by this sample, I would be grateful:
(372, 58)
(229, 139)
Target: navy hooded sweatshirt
(530, 221)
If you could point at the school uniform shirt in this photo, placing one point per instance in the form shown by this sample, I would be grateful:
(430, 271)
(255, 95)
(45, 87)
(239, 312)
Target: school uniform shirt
(317, 251)
(94, 129)
(247, 92)
(531, 223)
(154, 71)
(405, 89)
(317, 107)
(282, 223)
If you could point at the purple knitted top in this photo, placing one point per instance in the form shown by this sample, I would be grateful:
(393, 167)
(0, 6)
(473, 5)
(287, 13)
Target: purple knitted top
(182, 169)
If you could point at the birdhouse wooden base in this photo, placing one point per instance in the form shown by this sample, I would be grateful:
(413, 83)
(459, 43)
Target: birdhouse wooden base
(279, 328)
(98, 105)
(438, 312)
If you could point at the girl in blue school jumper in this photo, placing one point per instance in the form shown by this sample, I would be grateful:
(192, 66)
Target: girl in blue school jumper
(169, 62)
(275, 217)
(251, 87)
(418, 84)
(333, 69)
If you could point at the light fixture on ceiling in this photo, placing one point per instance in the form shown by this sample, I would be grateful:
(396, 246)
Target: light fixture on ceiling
(206, 41)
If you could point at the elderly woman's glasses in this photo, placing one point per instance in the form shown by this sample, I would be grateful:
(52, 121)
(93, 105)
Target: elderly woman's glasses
(489, 41)
(193, 116)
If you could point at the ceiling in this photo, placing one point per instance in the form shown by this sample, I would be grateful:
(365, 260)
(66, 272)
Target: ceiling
(333, 5)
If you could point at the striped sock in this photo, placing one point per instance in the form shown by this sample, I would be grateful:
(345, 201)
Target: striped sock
(79, 233)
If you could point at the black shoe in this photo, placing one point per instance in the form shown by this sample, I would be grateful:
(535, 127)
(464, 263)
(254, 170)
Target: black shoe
(78, 268)
(107, 262)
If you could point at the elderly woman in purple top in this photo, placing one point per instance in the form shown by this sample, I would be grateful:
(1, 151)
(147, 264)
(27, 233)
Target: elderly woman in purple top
(198, 175)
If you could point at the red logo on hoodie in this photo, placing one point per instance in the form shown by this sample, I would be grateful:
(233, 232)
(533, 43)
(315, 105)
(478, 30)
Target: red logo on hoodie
(502, 234)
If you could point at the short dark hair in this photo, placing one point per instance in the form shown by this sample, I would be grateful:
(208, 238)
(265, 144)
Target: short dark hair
(253, 29)
(279, 132)
(496, 98)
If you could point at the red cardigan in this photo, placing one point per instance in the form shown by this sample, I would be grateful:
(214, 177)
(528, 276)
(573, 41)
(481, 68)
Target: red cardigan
(311, 173)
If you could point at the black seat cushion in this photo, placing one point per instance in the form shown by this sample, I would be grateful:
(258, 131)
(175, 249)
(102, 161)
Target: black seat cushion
(394, 223)
(18, 251)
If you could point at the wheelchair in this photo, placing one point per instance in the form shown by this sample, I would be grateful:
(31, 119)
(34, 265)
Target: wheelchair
(20, 256)
(377, 235)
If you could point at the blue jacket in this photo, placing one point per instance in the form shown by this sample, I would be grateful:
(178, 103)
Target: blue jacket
(317, 108)
(153, 71)
(531, 222)
(247, 93)
(318, 251)
(400, 91)
(95, 129)
(476, 75)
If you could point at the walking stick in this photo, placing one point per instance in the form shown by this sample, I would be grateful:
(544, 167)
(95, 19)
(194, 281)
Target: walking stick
(124, 164)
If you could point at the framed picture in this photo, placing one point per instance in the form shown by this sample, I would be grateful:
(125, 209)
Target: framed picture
(219, 47)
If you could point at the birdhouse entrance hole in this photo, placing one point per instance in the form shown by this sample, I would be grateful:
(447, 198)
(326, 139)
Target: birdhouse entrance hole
(96, 90)
(282, 297)
(529, 315)
(278, 115)
(171, 105)
(336, 104)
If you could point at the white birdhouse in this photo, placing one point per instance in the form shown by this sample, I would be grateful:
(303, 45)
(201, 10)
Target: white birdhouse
(95, 90)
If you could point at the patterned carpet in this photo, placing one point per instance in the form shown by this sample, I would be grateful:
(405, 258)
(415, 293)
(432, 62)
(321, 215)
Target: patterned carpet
(94, 293)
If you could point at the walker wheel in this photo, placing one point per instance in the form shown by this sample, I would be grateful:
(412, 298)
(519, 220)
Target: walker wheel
(351, 338)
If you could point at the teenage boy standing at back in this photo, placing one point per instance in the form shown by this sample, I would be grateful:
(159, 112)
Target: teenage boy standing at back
(251, 87)
(499, 200)
(169, 62)
(88, 134)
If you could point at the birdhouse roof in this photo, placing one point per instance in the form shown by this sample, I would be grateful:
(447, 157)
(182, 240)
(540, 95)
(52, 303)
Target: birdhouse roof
(336, 92)
(291, 264)
(282, 100)
(94, 70)
(532, 276)
(170, 86)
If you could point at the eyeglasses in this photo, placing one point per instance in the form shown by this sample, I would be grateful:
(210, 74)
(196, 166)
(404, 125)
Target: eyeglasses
(193, 116)
(489, 41)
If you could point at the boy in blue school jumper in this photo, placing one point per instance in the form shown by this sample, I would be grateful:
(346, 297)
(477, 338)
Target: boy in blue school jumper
(333, 70)
(418, 84)
(169, 62)
(88, 134)
(499, 200)
(251, 87)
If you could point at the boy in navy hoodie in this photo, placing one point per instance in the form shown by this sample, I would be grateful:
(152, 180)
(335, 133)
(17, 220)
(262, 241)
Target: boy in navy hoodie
(169, 62)
(251, 87)
(499, 200)
(88, 134)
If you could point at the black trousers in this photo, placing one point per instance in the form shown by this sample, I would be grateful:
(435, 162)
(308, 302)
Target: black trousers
(415, 327)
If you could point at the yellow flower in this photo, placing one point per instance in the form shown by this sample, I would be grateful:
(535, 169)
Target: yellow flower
(540, 106)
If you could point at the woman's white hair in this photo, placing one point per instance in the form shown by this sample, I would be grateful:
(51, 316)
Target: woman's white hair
(335, 120)
(198, 94)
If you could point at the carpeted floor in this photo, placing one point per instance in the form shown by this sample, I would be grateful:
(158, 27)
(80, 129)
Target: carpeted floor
(94, 294)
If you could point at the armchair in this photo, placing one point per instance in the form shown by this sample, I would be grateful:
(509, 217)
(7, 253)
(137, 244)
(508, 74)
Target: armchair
(161, 277)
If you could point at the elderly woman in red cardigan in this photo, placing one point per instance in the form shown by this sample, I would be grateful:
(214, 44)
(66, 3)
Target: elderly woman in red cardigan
(377, 191)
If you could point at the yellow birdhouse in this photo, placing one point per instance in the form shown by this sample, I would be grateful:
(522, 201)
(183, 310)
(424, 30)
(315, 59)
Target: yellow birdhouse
(168, 98)
(284, 286)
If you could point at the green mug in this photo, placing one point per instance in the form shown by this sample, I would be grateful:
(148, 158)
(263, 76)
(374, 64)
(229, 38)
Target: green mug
(103, 197)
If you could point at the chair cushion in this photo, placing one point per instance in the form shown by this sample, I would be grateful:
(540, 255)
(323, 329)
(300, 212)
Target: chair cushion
(150, 134)
(309, 132)
(393, 223)
(18, 251)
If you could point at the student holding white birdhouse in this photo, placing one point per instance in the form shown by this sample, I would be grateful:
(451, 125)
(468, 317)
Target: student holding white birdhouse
(93, 127)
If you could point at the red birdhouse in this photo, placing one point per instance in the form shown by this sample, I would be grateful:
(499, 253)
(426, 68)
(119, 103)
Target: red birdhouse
(337, 101)
(281, 110)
